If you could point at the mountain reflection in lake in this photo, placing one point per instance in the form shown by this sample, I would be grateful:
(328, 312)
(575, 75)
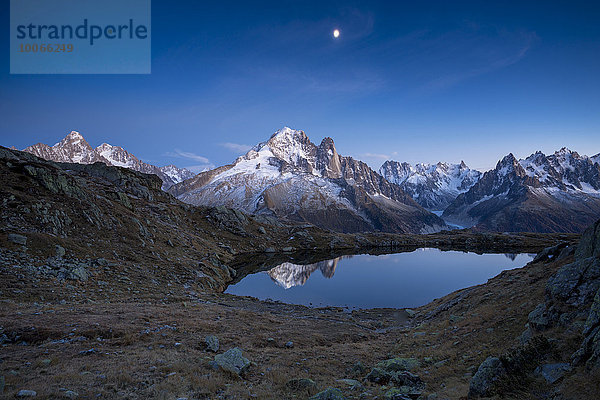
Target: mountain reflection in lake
(397, 280)
(288, 275)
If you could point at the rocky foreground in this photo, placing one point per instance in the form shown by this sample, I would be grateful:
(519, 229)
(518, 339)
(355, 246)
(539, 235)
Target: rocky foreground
(111, 288)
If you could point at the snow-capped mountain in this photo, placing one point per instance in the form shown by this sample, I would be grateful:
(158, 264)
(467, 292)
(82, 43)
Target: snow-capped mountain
(434, 186)
(75, 149)
(555, 193)
(288, 275)
(288, 176)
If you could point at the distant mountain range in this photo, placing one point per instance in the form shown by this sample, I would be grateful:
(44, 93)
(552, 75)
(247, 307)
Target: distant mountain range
(434, 186)
(75, 149)
(556, 193)
(290, 177)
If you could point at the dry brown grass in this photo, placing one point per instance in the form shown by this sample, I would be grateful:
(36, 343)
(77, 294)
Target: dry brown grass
(137, 357)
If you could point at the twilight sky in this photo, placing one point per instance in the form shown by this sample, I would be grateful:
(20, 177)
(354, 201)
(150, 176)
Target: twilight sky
(416, 81)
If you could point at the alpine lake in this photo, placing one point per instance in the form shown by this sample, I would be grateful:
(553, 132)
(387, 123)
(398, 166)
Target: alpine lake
(399, 280)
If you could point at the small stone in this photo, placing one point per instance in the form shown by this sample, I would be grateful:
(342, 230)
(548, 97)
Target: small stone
(233, 361)
(212, 343)
(410, 313)
(69, 394)
(60, 251)
(289, 345)
(397, 394)
(329, 394)
(46, 362)
(262, 230)
(270, 340)
(27, 393)
(79, 273)
(17, 239)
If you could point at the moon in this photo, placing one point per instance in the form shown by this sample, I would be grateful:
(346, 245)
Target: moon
(336, 33)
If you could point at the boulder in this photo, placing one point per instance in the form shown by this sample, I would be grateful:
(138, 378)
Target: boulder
(398, 364)
(352, 384)
(358, 369)
(212, 343)
(549, 253)
(408, 382)
(484, 380)
(593, 319)
(26, 393)
(379, 376)
(397, 394)
(329, 394)
(553, 372)
(17, 239)
(301, 384)
(575, 283)
(540, 318)
(60, 251)
(69, 394)
(589, 244)
(79, 273)
(590, 347)
(232, 361)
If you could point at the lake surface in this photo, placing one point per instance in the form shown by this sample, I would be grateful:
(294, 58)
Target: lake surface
(365, 281)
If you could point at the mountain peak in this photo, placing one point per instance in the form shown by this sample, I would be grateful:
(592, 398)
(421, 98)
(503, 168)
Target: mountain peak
(563, 150)
(327, 142)
(290, 145)
(74, 138)
(75, 149)
(288, 133)
(74, 135)
(507, 161)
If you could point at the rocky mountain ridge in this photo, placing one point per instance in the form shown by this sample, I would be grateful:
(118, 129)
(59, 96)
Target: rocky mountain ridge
(433, 186)
(75, 149)
(290, 177)
(556, 193)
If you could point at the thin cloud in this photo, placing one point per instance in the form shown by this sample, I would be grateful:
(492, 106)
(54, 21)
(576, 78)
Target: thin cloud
(236, 147)
(377, 155)
(380, 156)
(482, 55)
(189, 155)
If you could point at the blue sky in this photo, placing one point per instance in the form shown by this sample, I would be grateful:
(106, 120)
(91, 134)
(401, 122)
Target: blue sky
(413, 81)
